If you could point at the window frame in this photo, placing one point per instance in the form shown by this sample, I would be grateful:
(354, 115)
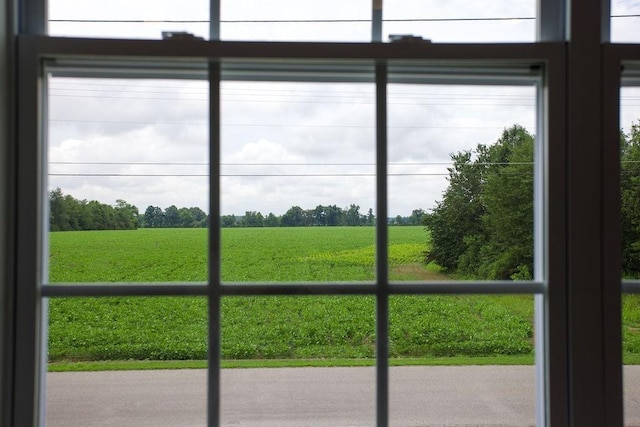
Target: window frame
(578, 314)
(37, 52)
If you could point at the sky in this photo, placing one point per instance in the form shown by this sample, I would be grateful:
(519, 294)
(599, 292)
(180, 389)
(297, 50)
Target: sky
(282, 144)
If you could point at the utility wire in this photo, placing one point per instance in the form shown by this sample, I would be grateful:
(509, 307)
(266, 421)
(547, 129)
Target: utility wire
(287, 21)
(307, 21)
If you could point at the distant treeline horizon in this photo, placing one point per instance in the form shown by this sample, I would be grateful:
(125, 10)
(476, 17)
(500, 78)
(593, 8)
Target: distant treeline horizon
(66, 213)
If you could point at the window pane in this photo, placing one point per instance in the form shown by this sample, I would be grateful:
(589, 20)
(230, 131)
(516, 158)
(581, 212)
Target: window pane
(287, 20)
(314, 332)
(630, 180)
(629, 192)
(461, 182)
(128, 180)
(461, 21)
(448, 337)
(298, 181)
(625, 19)
(142, 19)
(127, 333)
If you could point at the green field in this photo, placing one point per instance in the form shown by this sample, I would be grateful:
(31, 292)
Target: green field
(253, 328)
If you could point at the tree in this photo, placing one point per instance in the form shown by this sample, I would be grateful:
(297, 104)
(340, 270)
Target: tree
(417, 217)
(352, 215)
(253, 219)
(271, 220)
(458, 214)
(171, 217)
(371, 217)
(294, 217)
(153, 217)
(228, 221)
(629, 197)
(58, 215)
(126, 215)
(483, 226)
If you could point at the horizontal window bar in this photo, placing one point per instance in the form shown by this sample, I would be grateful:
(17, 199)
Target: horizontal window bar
(631, 286)
(507, 54)
(124, 289)
(471, 287)
(336, 288)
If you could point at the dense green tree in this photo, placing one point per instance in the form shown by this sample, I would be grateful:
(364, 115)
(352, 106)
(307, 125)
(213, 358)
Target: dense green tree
(294, 217)
(352, 215)
(153, 217)
(271, 220)
(67, 213)
(630, 200)
(126, 215)
(228, 221)
(253, 219)
(483, 226)
(171, 217)
(458, 213)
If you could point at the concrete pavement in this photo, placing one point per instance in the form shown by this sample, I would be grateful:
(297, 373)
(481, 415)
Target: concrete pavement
(419, 396)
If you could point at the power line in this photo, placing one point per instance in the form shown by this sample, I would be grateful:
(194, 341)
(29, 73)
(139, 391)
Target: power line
(292, 125)
(288, 21)
(324, 175)
(282, 164)
(309, 21)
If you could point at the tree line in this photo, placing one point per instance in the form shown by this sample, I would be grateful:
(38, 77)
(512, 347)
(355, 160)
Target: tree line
(483, 226)
(68, 213)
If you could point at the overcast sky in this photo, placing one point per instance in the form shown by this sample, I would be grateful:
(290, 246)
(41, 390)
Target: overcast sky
(283, 144)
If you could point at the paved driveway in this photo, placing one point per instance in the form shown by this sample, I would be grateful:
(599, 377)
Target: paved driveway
(419, 396)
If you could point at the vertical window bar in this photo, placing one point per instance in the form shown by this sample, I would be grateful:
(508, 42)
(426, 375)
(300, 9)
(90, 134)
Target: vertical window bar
(32, 17)
(540, 260)
(605, 21)
(551, 22)
(376, 21)
(27, 403)
(214, 348)
(382, 269)
(214, 20)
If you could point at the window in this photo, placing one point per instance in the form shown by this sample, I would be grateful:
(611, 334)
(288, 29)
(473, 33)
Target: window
(576, 372)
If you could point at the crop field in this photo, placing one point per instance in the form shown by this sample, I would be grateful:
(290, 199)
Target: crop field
(269, 327)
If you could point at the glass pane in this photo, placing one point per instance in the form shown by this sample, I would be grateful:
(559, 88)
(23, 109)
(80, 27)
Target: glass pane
(461, 182)
(625, 21)
(130, 335)
(447, 339)
(128, 180)
(630, 180)
(630, 192)
(287, 20)
(461, 21)
(298, 181)
(142, 19)
(309, 361)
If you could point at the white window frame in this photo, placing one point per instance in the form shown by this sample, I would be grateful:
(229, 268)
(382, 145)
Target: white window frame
(578, 324)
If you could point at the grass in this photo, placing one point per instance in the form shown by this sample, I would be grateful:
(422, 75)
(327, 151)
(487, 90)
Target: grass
(137, 365)
(102, 333)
